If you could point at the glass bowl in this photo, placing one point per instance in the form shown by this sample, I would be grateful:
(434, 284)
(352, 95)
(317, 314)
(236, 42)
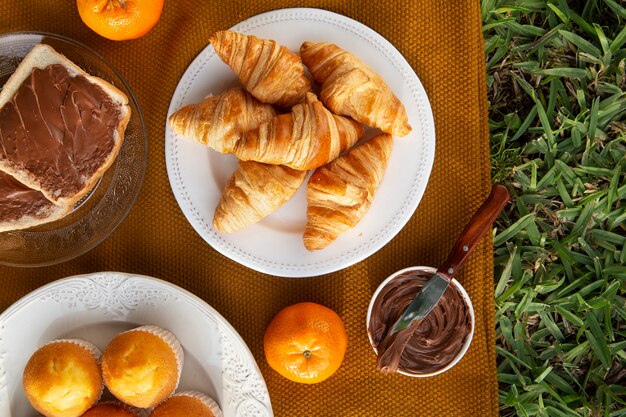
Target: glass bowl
(98, 214)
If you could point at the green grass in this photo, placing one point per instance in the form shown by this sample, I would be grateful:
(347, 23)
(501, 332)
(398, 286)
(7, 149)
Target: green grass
(556, 73)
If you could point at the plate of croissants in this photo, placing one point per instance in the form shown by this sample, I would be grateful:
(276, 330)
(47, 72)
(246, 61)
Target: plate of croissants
(299, 142)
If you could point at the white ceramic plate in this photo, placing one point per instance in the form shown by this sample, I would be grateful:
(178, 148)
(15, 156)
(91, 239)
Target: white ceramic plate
(274, 245)
(98, 306)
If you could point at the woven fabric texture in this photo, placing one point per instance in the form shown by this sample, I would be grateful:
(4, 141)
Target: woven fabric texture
(442, 41)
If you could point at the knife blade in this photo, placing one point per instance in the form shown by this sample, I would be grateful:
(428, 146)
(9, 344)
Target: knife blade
(424, 301)
(428, 296)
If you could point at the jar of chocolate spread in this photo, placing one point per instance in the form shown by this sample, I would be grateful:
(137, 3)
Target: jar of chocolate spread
(429, 346)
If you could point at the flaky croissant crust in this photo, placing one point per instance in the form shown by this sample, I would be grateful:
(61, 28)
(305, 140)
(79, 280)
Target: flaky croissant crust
(352, 88)
(219, 121)
(306, 138)
(269, 71)
(254, 191)
(340, 193)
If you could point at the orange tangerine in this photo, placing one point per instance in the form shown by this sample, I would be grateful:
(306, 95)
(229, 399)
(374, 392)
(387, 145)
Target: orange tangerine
(120, 19)
(305, 342)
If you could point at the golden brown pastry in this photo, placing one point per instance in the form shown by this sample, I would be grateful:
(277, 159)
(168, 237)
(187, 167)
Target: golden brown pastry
(110, 410)
(142, 366)
(308, 137)
(340, 193)
(63, 378)
(188, 404)
(270, 72)
(352, 88)
(254, 191)
(219, 121)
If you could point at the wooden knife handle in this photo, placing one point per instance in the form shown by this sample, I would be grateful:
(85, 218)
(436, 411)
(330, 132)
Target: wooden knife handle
(474, 230)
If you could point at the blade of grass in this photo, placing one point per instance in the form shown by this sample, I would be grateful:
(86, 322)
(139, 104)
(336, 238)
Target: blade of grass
(582, 44)
(593, 118)
(513, 230)
(619, 10)
(597, 340)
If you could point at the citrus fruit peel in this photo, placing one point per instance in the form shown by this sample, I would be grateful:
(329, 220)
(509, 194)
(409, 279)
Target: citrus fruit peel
(305, 343)
(120, 19)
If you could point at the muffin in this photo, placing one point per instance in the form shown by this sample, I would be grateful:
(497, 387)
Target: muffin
(141, 367)
(110, 409)
(188, 403)
(63, 378)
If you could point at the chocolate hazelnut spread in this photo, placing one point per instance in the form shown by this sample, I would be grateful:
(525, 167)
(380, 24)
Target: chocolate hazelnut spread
(59, 129)
(18, 200)
(427, 345)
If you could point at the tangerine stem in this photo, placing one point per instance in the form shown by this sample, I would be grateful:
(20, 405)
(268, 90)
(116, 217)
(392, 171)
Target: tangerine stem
(112, 4)
(307, 354)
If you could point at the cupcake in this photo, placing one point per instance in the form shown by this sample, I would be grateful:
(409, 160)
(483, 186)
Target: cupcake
(110, 409)
(63, 378)
(188, 403)
(141, 367)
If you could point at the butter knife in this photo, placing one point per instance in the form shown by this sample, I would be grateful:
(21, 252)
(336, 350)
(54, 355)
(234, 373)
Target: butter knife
(428, 296)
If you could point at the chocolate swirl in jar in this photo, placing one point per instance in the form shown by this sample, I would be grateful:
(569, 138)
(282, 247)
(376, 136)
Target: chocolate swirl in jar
(428, 345)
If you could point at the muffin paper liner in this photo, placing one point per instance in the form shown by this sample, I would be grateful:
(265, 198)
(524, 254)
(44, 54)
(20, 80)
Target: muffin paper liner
(90, 347)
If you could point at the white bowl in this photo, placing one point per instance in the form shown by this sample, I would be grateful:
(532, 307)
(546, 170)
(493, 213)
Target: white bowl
(456, 285)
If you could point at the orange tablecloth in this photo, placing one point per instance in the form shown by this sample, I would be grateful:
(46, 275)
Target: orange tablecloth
(442, 41)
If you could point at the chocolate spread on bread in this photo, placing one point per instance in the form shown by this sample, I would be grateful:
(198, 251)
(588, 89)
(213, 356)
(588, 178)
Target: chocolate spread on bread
(427, 345)
(18, 200)
(59, 128)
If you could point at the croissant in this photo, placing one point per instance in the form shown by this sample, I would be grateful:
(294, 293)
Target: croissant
(254, 191)
(270, 72)
(219, 121)
(340, 193)
(308, 137)
(352, 88)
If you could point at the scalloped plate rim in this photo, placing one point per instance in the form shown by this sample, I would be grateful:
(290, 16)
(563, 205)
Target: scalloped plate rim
(192, 300)
(296, 267)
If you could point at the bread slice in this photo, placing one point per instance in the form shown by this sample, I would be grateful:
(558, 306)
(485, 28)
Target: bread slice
(22, 207)
(62, 145)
